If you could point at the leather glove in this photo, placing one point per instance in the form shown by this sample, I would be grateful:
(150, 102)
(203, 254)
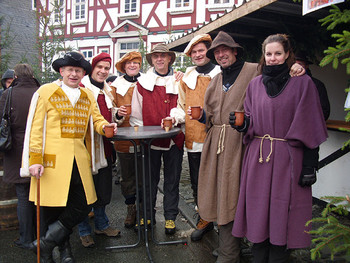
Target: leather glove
(243, 127)
(307, 176)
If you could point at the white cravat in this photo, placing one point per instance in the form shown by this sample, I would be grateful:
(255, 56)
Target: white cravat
(73, 94)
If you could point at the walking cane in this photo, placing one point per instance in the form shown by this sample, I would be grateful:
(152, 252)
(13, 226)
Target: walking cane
(38, 217)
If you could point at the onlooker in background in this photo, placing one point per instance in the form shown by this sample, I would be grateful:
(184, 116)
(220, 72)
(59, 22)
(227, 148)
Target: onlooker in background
(110, 79)
(301, 59)
(6, 80)
(123, 87)
(23, 87)
(116, 166)
(155, 95)
(95, 82)
(282, 115)
(191, 93)
(67, 191)
(311, 156)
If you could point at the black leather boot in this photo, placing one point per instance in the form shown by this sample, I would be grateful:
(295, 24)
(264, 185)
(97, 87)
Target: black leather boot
(66, 252)
(202, 227)
(55, 235)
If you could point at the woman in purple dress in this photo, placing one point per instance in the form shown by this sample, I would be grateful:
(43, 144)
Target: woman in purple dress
(282, 116)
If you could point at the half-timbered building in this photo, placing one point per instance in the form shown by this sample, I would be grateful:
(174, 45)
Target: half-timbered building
(117, 26)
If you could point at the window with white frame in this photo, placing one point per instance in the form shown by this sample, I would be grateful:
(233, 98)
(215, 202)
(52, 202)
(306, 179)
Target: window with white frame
(182, 3)
(33, 4)
(58, 8)
(127, 47)
(79, 10)
(221, 4)
(129, 8)
(181, 6)
(104, 50)
(221, 1)
(88, 53)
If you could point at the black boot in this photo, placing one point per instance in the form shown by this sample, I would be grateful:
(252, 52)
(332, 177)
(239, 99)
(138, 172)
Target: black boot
(202, 227)
(55, 235)
(66, 252)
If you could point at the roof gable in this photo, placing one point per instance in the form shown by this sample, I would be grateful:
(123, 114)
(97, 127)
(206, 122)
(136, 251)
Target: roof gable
(127, 28)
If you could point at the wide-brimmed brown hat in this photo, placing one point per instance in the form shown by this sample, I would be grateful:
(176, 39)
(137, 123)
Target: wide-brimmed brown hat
(197, 39)
(161, 48)
(222, 39)
(130, 56)
(73, 59)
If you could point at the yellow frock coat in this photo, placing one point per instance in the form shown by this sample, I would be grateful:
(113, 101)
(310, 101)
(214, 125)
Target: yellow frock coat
(66, 128)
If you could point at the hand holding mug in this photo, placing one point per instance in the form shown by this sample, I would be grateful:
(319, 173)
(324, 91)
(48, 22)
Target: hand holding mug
(110, 130)
(122, 111)
(239, 121)
(195, 112)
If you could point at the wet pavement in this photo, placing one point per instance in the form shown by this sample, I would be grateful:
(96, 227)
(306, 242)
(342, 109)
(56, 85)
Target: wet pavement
(116, 211)
(200, 252)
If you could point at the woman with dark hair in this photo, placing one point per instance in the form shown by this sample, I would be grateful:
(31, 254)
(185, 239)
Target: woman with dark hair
(282, 116)
(23, 87)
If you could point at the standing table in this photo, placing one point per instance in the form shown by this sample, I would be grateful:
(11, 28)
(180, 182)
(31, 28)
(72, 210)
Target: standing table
(146, 134)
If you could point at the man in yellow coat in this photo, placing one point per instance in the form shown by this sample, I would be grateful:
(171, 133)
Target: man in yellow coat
(54, 151)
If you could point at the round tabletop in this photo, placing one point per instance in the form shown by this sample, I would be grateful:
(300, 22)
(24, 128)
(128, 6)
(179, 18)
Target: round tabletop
(144, 132)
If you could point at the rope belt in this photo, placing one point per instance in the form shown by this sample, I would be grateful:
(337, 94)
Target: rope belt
(221, 137)
(268, 137)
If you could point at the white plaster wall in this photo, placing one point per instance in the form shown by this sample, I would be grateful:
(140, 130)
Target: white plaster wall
(160, 38)
(94, 43)
(336, 82)
(177, 21)
(200, 11)
(333, 179)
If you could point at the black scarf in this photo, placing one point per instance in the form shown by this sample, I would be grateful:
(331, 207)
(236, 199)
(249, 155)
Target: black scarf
(205, 69)
(275, 78)
(230, 74)
(100, 85)
(132, 78)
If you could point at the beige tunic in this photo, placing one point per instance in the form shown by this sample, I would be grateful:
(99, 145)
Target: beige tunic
(219, 173)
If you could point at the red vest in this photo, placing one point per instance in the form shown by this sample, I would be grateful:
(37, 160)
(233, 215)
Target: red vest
(156, 105)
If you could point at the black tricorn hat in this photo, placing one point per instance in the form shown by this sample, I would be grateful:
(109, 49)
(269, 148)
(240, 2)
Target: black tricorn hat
(74, 59)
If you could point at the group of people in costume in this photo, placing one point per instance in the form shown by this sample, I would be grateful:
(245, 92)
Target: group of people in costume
(251, 179)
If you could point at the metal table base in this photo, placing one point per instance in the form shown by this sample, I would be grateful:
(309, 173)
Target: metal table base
(146, 134)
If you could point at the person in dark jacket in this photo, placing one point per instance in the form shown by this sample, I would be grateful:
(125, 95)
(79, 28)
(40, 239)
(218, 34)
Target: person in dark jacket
(23, 87)
(6, 80)
(302, 60)
(311, 156)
